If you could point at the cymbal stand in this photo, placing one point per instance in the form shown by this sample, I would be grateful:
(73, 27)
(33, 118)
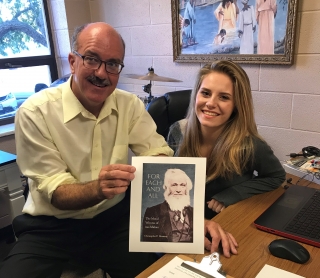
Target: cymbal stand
(147, 89)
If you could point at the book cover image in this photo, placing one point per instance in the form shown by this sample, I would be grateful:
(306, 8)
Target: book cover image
(167, 202)
(166, 194)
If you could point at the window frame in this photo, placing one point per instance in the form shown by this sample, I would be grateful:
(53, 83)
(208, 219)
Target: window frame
(49, 60)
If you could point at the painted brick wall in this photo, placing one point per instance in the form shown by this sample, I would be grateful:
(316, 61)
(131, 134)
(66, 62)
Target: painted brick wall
(286, 98)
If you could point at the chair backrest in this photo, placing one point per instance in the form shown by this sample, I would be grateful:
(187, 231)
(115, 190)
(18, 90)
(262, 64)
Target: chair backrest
(169, 108)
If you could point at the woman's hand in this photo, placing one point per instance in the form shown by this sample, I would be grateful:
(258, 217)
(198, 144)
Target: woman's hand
(228, 242)
(215, 206)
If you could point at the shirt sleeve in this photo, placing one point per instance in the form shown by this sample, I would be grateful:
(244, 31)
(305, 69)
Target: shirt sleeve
(38, 157)
(265, 175)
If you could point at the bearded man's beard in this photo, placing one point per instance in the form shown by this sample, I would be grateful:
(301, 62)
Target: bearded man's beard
(177, 203)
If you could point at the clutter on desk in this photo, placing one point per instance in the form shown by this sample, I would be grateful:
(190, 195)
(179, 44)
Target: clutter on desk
(305, 164)
(307, 152)
(308, 160)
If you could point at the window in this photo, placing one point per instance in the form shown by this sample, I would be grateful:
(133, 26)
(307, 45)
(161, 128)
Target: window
(26, 53)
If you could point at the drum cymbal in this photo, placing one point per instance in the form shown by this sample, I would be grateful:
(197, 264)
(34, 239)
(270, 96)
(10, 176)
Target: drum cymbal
(151, 76)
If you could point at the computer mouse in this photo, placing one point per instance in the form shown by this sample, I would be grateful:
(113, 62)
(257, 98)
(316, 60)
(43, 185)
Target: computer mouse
(289, 250)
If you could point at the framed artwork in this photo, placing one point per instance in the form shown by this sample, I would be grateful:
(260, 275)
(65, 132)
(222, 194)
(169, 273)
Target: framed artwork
(242, 31)
(166, 210)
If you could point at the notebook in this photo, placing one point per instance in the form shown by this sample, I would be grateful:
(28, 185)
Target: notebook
(289, 216)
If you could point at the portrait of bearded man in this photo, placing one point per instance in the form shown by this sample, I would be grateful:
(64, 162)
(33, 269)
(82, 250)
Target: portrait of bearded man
(171, 220)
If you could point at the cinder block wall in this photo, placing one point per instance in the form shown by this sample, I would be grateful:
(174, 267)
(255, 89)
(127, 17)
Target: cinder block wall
(286, 98)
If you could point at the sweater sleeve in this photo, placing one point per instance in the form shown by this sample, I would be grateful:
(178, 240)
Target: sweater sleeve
(265, 174)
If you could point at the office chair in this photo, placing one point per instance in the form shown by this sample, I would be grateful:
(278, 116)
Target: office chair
(169, 108)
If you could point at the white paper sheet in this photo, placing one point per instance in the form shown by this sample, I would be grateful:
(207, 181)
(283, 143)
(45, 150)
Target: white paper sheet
(270, 271)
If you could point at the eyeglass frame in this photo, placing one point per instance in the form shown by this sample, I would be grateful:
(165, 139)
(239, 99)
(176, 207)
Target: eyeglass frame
(101, 62)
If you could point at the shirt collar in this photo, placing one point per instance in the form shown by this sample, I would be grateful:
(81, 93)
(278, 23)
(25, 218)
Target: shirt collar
(72, 106)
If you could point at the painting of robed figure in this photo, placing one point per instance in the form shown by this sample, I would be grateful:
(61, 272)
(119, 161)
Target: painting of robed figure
(244, 31)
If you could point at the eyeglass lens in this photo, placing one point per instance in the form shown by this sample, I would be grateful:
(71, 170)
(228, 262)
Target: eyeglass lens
(94, 63)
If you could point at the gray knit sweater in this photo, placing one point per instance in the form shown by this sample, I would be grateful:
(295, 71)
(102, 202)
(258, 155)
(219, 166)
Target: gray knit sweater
(265, 173)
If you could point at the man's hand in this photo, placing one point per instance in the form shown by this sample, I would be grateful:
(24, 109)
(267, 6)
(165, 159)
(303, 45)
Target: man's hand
(215, 205)
(114, 179)
(217, 234)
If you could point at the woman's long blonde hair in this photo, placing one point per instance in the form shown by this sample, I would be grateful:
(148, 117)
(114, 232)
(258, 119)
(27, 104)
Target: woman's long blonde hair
(234, 148)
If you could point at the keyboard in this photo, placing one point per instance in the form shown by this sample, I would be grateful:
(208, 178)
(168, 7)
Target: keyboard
(307, 221)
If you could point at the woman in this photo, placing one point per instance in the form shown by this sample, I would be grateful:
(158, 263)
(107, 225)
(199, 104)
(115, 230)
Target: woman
(220, 126)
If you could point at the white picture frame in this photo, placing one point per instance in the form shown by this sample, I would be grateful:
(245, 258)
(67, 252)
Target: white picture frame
(147, 192)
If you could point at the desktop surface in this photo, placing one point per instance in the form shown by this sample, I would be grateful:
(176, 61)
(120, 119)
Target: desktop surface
(253, 251)
(11, 192)
(6, 158)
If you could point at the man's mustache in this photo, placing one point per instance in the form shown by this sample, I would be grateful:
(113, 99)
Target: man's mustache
(173, 193)
(96, 80)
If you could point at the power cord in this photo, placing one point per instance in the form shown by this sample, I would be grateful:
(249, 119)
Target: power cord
(314, 175)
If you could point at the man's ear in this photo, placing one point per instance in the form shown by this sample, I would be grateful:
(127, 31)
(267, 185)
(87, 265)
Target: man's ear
(72, 61)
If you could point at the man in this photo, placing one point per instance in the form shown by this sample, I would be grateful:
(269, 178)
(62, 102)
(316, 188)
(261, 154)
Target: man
(171, 220)
(72, 143)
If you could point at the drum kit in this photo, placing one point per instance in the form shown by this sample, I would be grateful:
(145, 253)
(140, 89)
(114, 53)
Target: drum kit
(151, 76)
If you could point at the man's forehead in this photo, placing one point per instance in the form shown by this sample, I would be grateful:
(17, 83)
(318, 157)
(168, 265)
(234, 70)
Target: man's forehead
(105, 40)
(178, 180)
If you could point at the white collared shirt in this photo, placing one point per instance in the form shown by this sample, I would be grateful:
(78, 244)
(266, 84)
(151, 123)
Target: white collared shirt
(59, 142)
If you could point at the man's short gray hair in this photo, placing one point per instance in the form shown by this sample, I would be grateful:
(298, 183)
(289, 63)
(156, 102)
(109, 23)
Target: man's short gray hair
(76, 33)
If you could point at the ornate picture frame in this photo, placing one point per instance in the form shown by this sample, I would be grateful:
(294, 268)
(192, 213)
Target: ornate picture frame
(235, 30)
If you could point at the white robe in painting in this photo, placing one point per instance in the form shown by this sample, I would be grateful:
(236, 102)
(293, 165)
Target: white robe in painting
(190, 14)
(247, 23)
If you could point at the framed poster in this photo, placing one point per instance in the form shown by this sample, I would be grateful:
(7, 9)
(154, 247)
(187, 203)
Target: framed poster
(166, 195)
(243, 31)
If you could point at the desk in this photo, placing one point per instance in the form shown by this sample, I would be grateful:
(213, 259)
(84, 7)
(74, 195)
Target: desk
(11, 190)
(253, 251)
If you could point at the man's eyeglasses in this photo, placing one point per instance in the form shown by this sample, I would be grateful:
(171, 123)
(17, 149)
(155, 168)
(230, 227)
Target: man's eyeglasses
(94, 63)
